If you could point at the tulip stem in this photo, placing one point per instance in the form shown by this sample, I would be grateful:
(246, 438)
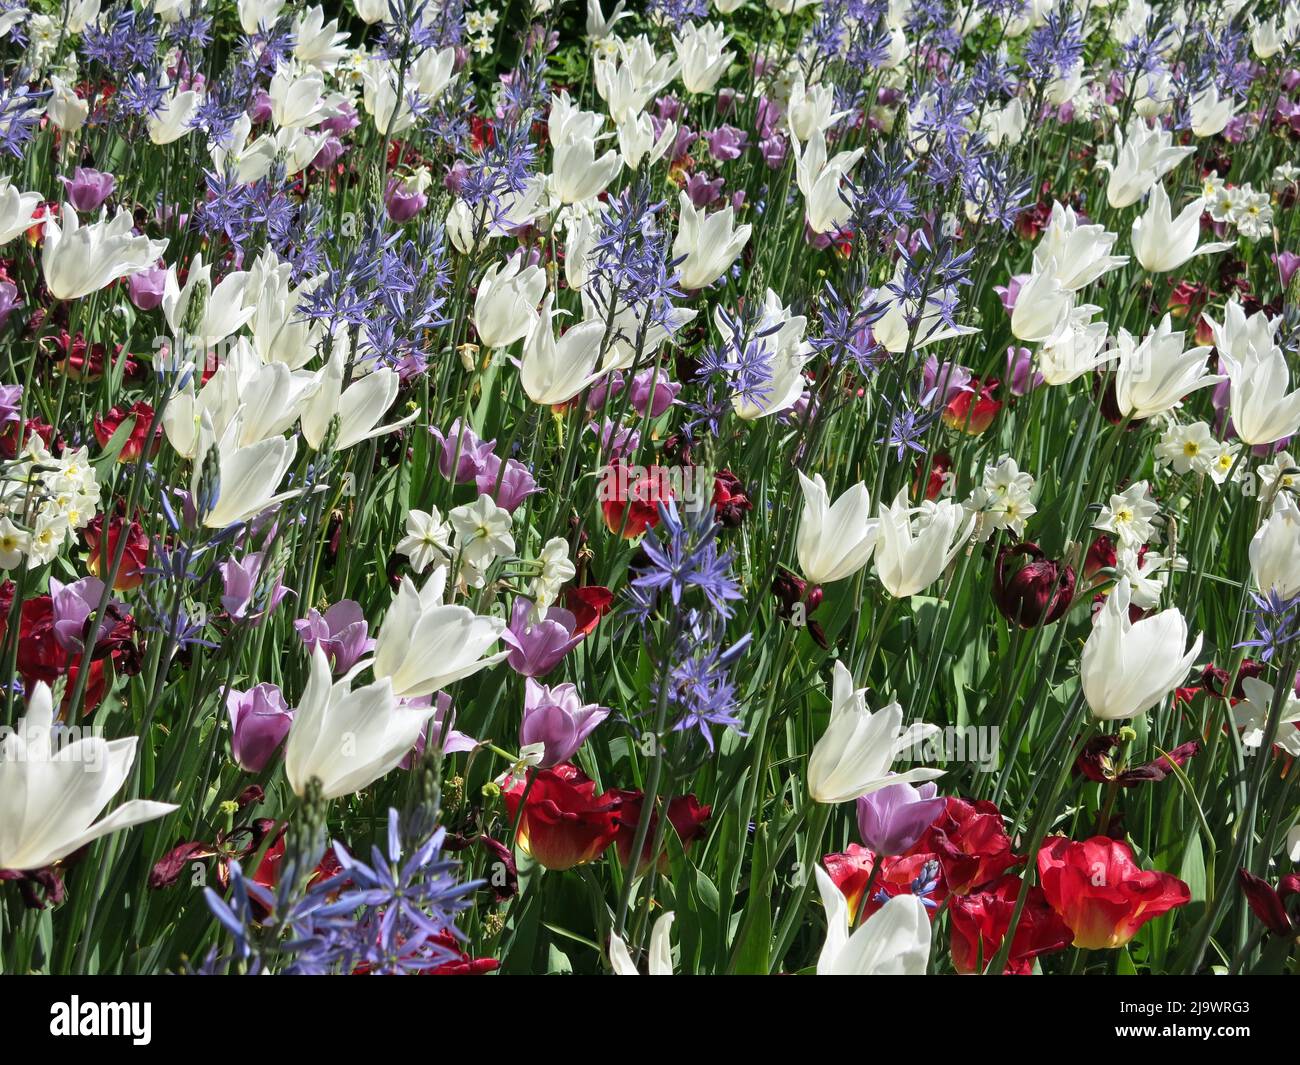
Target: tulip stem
(1041, 822)
(812, 846)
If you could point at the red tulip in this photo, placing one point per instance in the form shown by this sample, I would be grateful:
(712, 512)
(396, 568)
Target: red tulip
(134, 558)
(916, 872)
(564, 822)
(971, 844)
(685, 813)
(588, 605)
(1101, 893)
(973, 409)
(980, 921)
(136, 443)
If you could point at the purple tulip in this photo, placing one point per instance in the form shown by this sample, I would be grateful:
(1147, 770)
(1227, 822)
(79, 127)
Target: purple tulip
(607, 387)
(507, 489)
(1287, 263)
(9, 300)
(701, 190)
(652, 388)
(463, 452)
(341, 632)
(73, 605)
(87, 188)
(616, 440)
(1010, 292)
(444, 718)
(1022, 378)
(329, 154)
(11, 406)
(891, 819)
(259, 722)
(767, 117)
(403, 202)
(343, 121)
(774, 149)
(538, 647)
(259, 110)
(668, 108)
(727, 143)
(557, 719)
(146, 288)
(240, 580)
(944, 380)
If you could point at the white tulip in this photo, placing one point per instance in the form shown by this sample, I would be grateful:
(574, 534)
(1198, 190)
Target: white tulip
(1153, 376)
(1162, 242)
(855, 755)
(1275, 550)
(702, 56)
(893, 941)
(359, 407)
(78, 260)
(425, 644)
(554, 371)
(820, 182)
(834, 540)
(915, 546)
(505, 308)
(660, 956)
(1128, 667)
(1143, 155)
(707, 244)
(16, 210)
(51, 794)
(344, 738)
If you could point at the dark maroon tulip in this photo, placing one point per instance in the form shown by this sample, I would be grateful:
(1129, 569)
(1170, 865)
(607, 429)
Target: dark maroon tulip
(1029, 588)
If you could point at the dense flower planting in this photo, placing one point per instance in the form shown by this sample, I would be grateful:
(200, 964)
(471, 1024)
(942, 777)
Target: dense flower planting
(680, 487)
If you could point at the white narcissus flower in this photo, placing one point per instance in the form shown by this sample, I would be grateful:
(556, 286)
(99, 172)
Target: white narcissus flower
(505, 308)
(855, 755)
(425, 644)
(78, 260)
(345, 738)
(659, 960)
(915, 545)
(702, 55)
(1129, 666)
(893, 941)
(707, 244)
(51, 794)
(1154, 376)
(1144, 154)
(1275, 550)
(835, 540)
(1075, 254)
(223, 308)
(482, 532)
(1262, 409)
(16, 210)
(1128, 515)
(427, 540)
(554, 371)
(1162, 242)
(780, 334)
(359, 407)
(819, 180)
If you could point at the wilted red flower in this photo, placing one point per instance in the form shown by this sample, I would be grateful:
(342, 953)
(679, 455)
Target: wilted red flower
(973, 409)
(685, 813)
(630, 498)
(1096, 762)
(135, 444)
(564, 822)
(1101, 893)
(463, 964)
(83, 362)
(729, 499)
(1214, 679)
(135, 557)
(1029, 588)
(980, 921)
(793, 592)
(1270, 904)
(588, 605)
(971, 844)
